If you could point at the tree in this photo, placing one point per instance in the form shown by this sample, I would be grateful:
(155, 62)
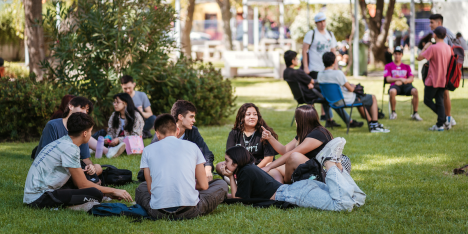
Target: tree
(379, 24)
(34, 35)
(186, 44)
(225, 6)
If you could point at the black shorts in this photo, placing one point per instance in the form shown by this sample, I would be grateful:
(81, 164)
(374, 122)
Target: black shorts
(313, 74)
(402, 89)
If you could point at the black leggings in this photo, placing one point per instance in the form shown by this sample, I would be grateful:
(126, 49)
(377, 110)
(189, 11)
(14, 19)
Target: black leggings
(67, 197)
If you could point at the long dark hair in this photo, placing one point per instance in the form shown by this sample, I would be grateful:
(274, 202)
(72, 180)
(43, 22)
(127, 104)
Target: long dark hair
(240, 156)
(63, 105)
(239, 124)
(130, 112)
(426, 39)
(307, 120)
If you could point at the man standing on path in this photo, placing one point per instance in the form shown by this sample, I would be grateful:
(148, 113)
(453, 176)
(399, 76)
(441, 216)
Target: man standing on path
(438, 56)
(437, 20)
(141, 102)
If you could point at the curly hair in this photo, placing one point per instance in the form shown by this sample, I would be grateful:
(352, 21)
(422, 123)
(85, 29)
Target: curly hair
(239, 124)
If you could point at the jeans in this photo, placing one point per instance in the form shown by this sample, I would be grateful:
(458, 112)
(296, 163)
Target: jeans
(438, 107)
(209, 200)
(339, 193)
(149, 123)
(99, 133)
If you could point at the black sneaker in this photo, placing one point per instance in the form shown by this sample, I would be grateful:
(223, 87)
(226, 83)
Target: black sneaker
(331, 123)
(356, 124)
(147, 134)
(323, 118)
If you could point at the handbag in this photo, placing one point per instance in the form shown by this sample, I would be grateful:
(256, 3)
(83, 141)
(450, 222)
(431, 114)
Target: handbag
(359, 90)
(424, 71)
(134, 145)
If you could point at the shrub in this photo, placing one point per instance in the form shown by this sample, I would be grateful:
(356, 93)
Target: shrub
(26, 107)
(193, 81)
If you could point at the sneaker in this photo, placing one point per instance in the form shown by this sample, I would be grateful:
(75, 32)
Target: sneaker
(116, 150)
(435, 128)
(416, 117)
(452, 121)
(228, 181)
(331, 123)
(147, 134)
(330, 150)
(393, 115)
(356, 124)
(91, 151)
(376, 128)
(84, 207)
(447, 125)
(323, 118)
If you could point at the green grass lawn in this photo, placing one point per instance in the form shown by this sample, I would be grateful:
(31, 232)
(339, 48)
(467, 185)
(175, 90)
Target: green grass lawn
(406, 174)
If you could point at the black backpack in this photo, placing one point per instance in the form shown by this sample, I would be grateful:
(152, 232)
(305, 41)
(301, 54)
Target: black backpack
(309, 169)
(114, 176)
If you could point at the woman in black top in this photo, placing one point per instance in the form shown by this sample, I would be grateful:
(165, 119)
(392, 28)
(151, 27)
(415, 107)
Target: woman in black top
(310, 140)
(340, 192)
(247, 132)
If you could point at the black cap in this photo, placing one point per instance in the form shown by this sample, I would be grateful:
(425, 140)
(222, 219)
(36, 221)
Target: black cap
(398, 49)
(440, 32)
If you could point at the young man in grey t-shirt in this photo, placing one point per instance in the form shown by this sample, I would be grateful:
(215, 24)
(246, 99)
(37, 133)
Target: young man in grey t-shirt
(141, 101)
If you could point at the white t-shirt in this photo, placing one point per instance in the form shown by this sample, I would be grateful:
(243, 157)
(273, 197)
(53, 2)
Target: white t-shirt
(172, 163)
(49, 171)
(322, 43)
(337, 77)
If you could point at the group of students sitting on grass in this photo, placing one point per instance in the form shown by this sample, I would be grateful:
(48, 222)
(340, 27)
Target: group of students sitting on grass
(178, 165)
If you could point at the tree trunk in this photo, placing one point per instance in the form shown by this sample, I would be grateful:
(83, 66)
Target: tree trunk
(378, 32)
(225, 7)
(351, 39)
(186, 44)
(34, 35)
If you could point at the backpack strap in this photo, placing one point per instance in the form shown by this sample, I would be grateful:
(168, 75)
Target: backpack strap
(109, 166)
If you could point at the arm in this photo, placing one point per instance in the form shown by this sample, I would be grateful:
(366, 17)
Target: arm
(306, 146)
(148, 178)
(265, 161)
(81, 182)
(422, 55)
(279, 148)
(200, 176)
(233, 186)
(409, 80)
(391, 79)
(349, 86)
(147, 112)
(112, 132)
(89, 166)
(305, 59)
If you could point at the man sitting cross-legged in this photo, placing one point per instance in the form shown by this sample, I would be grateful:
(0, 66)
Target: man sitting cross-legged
(184, 112)
(59, 160)
(401, 79)
(176, 186)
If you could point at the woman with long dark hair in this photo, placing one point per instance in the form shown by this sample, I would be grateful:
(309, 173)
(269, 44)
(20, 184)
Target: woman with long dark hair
(311, 138)
(247, 132)
(126, 120)
(63, 106)
(340, 192)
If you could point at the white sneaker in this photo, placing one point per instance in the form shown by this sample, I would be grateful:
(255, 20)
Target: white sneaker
(116, 150)
(91, 151)
(393, 115)
(452, 120)
(228, 181)
(84, 207)
(416, 117)
(435, 128)
(378, 129)
(330, 151)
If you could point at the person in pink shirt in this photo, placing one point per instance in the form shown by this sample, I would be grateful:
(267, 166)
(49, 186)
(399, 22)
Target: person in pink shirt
(401, 79)
(438, 56)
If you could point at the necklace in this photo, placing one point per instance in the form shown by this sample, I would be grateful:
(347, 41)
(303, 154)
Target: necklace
(247, 143)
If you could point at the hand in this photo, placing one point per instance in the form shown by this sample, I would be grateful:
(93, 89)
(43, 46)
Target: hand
(310, 86)
(306, 70)
(224, 171)
(90, 169)
(266, 134)
(209, 175)
(398, 83)
(266, 169)
(121, 194)
(140, 108)
(114, 142)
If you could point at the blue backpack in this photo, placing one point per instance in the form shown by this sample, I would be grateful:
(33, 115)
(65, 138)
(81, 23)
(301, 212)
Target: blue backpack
(119, 209)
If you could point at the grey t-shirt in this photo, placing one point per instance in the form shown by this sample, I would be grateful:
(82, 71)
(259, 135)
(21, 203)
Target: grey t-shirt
(49, 170)
(321, 44)
(54, 130)
(449, 37)
(172, 163)
(141, 99)
(337, 77)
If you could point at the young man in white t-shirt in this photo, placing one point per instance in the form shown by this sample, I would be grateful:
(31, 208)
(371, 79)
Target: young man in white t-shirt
(329, 75)
(176, 185)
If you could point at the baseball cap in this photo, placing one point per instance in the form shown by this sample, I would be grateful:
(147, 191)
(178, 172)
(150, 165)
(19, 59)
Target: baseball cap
(398, 49)
(320, 17)
(440, 32)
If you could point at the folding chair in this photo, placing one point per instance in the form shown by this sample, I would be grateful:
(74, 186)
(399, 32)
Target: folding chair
(300, 98)
(332, 93)
(389, 104)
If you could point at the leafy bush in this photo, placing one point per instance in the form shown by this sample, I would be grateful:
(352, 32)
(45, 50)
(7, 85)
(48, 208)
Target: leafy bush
(15, 70)
(193, 81)
(26, 107)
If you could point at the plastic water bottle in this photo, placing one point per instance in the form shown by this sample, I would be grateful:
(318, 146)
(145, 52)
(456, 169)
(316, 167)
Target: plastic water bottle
(99, 147)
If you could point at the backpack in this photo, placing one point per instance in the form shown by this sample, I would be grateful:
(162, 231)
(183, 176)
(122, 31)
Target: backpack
(455, 68)
(114, 176)
(307, 170)
(311, 42)
(119, 209)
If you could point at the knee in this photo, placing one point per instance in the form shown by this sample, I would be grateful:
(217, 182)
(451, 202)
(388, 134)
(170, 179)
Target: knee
(294, 157)
(414, 92)
(392, 92)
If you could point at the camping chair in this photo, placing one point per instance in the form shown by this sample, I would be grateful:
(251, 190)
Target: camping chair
(300, 98)
(334, 96)
(389, 104)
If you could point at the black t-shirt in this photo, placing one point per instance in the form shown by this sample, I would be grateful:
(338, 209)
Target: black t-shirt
(291, 74)
(253, 182)
(253, 144)
(320, 136)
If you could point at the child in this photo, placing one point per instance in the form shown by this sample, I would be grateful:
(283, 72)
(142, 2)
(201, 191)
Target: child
(340, 192)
